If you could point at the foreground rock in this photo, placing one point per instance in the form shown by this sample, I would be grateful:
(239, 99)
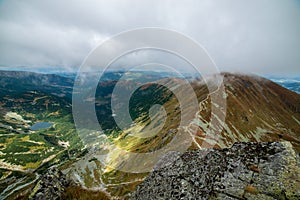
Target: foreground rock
(50, 186)
(244, 171)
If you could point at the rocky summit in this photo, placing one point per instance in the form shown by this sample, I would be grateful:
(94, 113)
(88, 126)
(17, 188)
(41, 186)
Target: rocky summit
(267, 170)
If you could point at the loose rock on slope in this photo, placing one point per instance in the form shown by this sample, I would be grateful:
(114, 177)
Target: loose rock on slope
(50, 186)
(244, 171)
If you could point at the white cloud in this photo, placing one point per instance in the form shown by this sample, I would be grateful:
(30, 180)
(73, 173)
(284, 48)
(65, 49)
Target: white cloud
(259, 36)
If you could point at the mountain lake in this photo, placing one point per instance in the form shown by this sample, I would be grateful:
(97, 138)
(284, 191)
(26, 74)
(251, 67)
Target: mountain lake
(40, 125)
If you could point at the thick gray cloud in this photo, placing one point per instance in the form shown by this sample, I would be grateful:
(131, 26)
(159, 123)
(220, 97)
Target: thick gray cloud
(259, 36)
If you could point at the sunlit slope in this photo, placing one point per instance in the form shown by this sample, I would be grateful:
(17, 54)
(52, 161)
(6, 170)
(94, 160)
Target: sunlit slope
(260, 110)
(257, 110)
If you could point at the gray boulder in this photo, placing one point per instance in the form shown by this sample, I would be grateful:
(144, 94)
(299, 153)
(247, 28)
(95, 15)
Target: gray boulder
(245, 171)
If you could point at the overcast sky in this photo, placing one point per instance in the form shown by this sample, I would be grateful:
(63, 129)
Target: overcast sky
(257, 36)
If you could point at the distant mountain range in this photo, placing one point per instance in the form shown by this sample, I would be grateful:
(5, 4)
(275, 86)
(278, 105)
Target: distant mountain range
(289, 83)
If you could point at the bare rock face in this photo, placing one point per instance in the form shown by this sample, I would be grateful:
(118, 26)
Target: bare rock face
(245, 171)
(50, 186)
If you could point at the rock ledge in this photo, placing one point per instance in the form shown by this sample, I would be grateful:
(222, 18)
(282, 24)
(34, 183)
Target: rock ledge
(268, 170)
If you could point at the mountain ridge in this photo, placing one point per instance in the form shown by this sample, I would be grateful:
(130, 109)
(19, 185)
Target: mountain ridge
(258, 110)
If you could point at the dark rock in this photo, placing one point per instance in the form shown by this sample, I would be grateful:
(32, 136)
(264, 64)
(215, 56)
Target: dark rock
(244, 171)
(50, 186)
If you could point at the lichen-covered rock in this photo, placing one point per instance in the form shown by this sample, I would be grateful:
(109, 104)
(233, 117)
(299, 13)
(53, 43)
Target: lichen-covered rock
(244, 171)
(50, 186)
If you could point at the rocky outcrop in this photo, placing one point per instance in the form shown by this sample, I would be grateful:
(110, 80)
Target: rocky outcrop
(244, 171)
(50, 186)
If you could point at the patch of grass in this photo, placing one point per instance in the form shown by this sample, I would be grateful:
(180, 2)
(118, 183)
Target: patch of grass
(32, 165)
(78, 193)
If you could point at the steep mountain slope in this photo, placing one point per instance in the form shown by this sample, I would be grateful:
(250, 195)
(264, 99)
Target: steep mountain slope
(258, 110)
